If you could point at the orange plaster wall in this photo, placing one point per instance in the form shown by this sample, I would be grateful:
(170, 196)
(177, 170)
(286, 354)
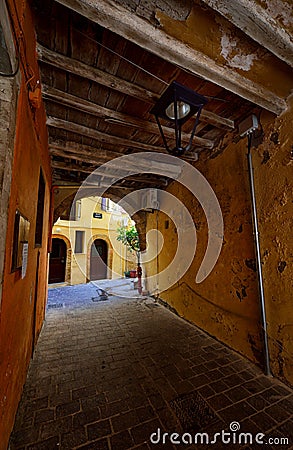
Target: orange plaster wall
(19, 295)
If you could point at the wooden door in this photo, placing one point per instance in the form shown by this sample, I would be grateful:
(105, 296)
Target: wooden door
(98, 263)
(57, 264)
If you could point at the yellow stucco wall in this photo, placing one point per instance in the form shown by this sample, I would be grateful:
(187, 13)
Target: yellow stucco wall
(78, 264)
(214, 304)
(226, 303)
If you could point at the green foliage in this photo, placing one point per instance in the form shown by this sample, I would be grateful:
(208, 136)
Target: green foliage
(129, 237)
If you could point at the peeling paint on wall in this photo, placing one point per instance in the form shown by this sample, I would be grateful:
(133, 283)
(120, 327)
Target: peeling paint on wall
(235, 57)
(211, 34)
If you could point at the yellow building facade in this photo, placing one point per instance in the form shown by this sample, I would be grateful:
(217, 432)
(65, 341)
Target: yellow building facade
(85, 248)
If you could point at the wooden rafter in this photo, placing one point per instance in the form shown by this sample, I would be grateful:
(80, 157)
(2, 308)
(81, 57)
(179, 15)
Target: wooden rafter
(108, 114)
(107, 138)
(92, 159)
(92, 73)
(81, 149)
(101, 137)
(106, 175)
(103, 156)
(118, 174)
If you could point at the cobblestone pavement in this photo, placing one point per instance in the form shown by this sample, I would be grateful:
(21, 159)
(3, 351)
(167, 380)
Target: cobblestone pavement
(108, 374)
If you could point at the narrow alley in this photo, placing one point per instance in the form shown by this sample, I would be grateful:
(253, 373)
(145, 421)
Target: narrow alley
(149, 142)
(108, 374)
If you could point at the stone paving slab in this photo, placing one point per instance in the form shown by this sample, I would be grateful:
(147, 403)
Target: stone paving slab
(106, 374)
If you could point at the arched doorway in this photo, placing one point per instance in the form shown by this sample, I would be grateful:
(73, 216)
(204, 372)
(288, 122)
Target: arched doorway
(98, 262)
(57, 263)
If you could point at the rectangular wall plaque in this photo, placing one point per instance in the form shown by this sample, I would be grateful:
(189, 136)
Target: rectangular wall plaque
(20, 237)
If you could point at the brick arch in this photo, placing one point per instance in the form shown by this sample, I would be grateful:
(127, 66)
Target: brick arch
(109, 256)
(68, 255)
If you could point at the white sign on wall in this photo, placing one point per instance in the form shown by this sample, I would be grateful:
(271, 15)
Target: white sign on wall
(24, 259)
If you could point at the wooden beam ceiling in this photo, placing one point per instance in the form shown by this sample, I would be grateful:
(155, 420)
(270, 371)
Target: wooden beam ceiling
(74, 67)
(135, 29)
(110, 115)
(118, 172)
(107, 175)
(76, 148)
(101, 137)
(103, 156)
(92, 73)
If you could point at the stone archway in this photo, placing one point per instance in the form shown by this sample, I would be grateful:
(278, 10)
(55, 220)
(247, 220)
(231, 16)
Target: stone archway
(104, 238)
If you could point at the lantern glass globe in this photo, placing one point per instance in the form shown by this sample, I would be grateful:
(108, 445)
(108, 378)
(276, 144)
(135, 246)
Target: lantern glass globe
(183, 109)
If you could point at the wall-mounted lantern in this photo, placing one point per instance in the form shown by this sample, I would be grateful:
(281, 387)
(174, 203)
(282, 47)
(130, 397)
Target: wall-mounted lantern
(177, 105)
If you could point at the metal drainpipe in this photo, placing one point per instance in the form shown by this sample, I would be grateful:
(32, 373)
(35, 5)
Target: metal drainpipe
(258, 260)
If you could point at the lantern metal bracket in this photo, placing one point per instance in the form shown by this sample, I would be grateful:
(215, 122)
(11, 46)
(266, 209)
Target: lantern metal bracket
(177, 96)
